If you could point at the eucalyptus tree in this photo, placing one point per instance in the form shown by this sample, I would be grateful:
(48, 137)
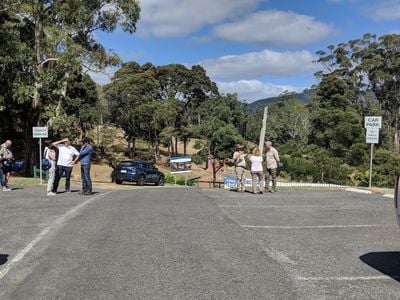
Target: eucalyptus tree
(369, 65)
(130, 97)
(288, 120)
(193, 92)
(63, 42)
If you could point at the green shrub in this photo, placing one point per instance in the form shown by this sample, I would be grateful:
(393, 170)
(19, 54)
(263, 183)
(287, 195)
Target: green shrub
(198, 159)
(180, 179)
(299, 169)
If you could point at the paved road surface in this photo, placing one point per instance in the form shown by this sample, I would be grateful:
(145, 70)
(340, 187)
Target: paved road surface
(165, 243)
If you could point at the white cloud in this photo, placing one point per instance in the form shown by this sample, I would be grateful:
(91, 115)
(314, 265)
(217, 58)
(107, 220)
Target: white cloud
(255, 64)
(275, 27)
(167, 18)
(386, 11)
(103, 77)
(252, 90)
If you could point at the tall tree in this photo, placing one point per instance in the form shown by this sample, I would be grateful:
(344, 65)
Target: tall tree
(370, 64)
(63, 43)
(130, 95)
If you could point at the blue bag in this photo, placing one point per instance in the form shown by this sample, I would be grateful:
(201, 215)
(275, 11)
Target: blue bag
(18, 166)
(46, 164)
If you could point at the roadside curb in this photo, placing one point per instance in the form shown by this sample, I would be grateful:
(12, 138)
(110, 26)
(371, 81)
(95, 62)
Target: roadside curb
(388, 196)
(354, 190)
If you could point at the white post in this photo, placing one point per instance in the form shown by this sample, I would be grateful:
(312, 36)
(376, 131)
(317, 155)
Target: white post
(40, 160)
(263, 129)
(370, 166)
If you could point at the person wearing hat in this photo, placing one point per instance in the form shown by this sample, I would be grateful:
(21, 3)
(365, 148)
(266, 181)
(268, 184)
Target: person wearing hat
(272, 162)
(240, 167)
(85, 156)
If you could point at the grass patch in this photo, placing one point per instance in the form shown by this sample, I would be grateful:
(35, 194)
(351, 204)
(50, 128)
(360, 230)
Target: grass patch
(25, 181)
(180, 179)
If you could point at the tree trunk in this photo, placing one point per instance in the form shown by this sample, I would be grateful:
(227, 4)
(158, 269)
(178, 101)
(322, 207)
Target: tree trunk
(30, 159)
(133, 149)
(98, 135)
(176, 146)
(157, 151)
(34, 112)
(184, 147)
(214, 171)
(63, 94)
(172, 147)
(396, 134)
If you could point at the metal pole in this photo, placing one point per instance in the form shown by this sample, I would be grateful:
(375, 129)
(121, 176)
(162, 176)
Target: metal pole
(40, 160)
(263, 129)
(370, 166)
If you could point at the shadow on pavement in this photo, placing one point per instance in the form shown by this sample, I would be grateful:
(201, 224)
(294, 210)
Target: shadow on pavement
(387, 263)
(3, 259)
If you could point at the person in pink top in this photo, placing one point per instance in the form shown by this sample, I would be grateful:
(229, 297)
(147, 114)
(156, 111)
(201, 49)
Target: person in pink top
(257, 170)
(272, 161)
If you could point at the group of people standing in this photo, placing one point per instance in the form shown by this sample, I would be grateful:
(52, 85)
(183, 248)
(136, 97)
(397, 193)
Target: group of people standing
(62, 157)
(257, 168)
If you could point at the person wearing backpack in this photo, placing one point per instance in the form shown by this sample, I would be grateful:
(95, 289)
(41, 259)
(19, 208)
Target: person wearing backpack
(6, 162)
(50, 158)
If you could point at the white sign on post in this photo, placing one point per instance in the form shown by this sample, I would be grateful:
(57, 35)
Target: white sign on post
(373, 122)
(40, 132)
(372, 136)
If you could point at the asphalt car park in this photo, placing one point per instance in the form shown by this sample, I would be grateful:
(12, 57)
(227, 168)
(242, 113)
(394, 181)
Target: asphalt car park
(333, 244)
(185, 243)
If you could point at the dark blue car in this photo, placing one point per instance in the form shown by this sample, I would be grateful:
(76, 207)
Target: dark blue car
(140, 172)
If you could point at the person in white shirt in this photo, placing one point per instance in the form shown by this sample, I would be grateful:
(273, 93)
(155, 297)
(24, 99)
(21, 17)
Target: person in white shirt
(50, 155)
(67, 157)
(257, 170)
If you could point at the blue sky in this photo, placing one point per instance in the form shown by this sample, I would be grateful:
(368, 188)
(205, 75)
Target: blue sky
(256, 48)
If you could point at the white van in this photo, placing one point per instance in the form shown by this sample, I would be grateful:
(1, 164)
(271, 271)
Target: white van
(397, 199)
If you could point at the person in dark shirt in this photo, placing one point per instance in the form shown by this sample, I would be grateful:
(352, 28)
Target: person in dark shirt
(85, 156)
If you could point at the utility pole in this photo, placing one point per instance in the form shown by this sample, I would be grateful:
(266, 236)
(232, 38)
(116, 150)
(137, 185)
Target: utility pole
(263, 129)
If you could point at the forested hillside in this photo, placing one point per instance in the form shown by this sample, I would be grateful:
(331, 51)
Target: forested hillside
(304, 97)
(45, 54)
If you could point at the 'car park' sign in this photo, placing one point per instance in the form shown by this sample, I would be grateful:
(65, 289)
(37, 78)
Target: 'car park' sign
(373, 122)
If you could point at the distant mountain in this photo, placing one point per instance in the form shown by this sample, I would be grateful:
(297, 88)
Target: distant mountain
(305, 97)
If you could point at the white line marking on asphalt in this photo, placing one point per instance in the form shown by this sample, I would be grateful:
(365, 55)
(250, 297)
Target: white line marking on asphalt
(305, 206)
(348, 278)
(229, 216)
(45, 231)
(313, 226)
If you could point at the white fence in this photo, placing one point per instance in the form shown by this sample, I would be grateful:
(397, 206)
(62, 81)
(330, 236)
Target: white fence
(230, 183)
